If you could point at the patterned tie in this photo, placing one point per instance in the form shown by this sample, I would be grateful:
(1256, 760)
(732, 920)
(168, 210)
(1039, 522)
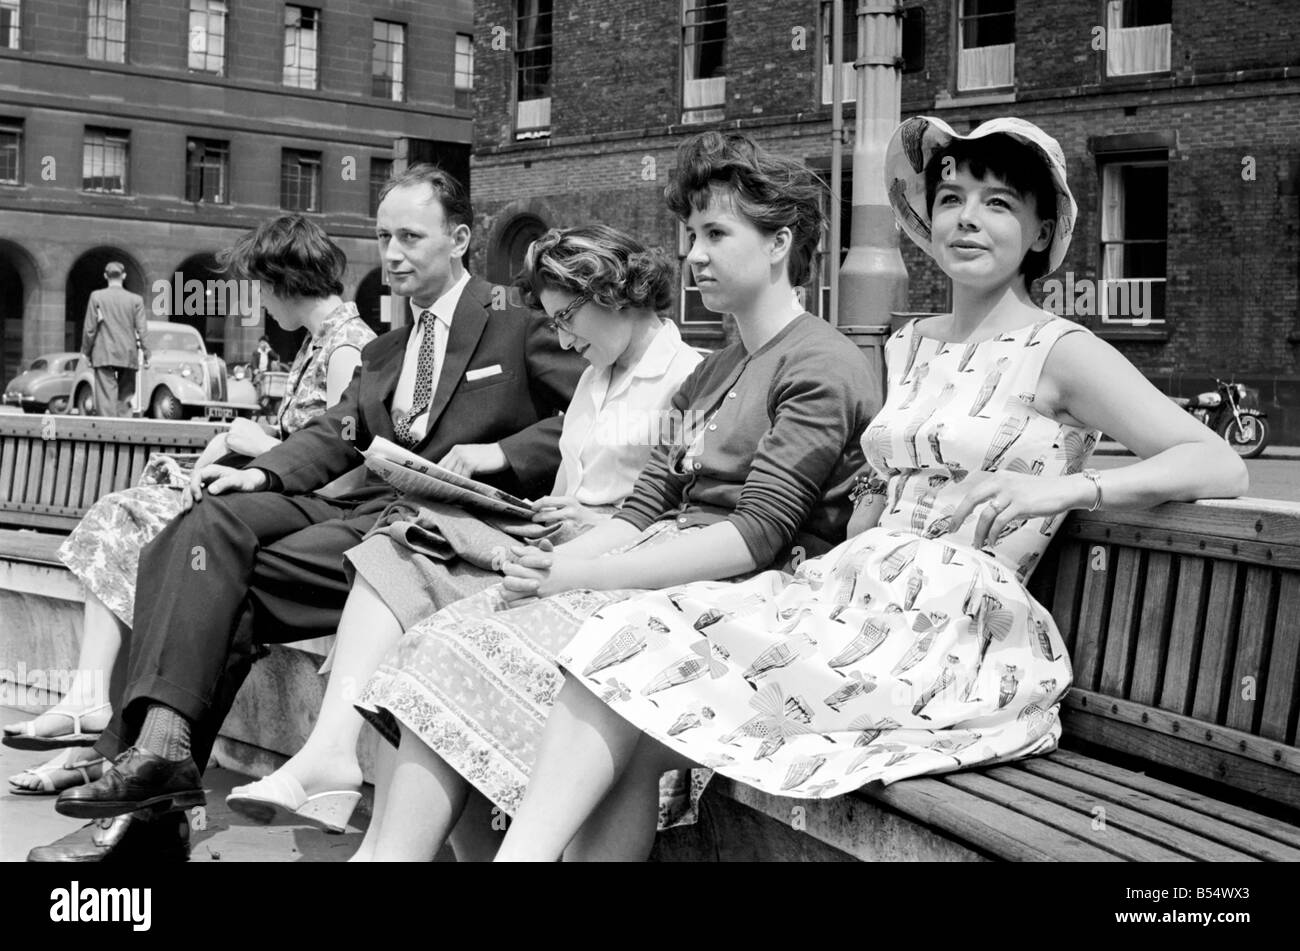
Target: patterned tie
(423, 381)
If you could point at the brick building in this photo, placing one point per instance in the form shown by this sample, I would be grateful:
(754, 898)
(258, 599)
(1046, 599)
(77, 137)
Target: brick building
(153, 132)
(1180, 121)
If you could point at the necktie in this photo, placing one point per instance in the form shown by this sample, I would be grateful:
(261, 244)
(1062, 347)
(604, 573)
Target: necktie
(423, 381)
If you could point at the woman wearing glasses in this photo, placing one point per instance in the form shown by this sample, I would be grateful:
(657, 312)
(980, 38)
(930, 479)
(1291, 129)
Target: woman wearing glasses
(603, 290)
(759, 472)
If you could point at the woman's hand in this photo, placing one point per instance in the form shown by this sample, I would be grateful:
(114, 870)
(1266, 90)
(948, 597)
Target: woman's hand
(1006, 497)
(564, 508)
(540, 571)
(470, 459)
(249, 439)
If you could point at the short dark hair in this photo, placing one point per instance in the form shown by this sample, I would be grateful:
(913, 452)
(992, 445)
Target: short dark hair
(451, 194)
(1016, 164)
(613, 268)
(771, 191)
(293, 255)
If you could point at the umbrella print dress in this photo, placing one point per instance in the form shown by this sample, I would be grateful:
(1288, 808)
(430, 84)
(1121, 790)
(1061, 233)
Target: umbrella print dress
(904, 650)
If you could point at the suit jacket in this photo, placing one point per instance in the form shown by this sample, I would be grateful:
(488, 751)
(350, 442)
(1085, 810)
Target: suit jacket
(516, 407)
(114, 318)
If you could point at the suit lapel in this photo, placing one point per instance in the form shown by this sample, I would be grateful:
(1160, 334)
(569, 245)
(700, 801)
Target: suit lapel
(379, 382)
(467, 325)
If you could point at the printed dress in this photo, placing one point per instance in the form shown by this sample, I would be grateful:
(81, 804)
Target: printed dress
(104, 549)
(904, 650)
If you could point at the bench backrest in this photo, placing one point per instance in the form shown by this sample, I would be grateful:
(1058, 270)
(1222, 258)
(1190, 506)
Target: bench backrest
(1183, 624)
(53, 468)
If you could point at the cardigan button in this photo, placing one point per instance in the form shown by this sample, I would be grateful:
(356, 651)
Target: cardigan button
(713, 425)
(731, 395)
(699, 466)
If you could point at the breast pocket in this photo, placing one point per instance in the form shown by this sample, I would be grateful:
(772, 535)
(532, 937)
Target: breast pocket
(487, 382)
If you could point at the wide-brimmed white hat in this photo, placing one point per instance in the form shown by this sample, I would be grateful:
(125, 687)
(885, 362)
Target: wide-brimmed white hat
(916, 140)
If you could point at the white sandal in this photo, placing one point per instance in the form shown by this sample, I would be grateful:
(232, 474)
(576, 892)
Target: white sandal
(25, 738)
(44, 772)
(263, 800)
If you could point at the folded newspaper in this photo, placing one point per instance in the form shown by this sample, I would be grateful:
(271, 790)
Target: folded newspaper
(415, 476)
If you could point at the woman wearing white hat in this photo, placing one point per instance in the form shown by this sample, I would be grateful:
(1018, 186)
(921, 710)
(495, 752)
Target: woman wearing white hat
(913, 647)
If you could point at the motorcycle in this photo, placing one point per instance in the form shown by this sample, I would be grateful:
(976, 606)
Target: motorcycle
(1232, 411)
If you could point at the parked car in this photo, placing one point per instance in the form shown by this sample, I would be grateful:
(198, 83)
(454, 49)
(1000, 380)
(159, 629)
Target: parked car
(45, 384)
(182, 380)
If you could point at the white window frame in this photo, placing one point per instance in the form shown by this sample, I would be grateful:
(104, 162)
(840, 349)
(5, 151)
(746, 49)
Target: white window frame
(982, 68)
(14, 128)
(463, 80)
(302, 159)
(849, 84)
(396, 81)
(207, 37)
(96, 147)
(1136, 50)
(1110, 218)
(532, 116)
(12, 39)
(301, 58)
(704, 99)
(105, 32)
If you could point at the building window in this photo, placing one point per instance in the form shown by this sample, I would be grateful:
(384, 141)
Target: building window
(532, 69)
(208, 36)
(106, 31)
(464, 71)
(11, 15)
(299, 180)
(301, 40)
(104, 160)
(1138, 36)
(704, 71)
(692, 310)
(11, 152)
(821, 306)
(1134, 237)
(986, 44)
(388, 53)
(207, 170)
(850, 34)
(380, 170)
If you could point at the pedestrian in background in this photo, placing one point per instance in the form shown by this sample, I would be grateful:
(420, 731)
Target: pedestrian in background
(115, 327)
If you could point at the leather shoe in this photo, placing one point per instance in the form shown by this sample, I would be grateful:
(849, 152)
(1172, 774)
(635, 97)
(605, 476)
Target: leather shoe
(137, 780)
(129, 838)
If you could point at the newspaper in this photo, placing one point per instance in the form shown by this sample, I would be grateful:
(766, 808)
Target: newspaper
(415, 476)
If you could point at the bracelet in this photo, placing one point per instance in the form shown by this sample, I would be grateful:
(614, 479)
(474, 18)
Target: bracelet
(1093, 476)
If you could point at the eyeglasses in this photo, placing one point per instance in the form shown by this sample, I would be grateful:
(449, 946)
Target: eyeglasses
(565, 313)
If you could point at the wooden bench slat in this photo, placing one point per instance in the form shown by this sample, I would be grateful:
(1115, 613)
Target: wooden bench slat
(35, 547)
(76, 475)
(1282, 554)
(986, 825)
(1121, 627)
(63, 468)
(1246, 519)
(35, 468)
(1183, 753)
(8, 450)
(1099, 560)
(1071, 814)
(1186, 830)
(1217, 643)
(1153, 629)
(1065, 598)
(20, 470)
(1282, 690)
(139, 455)
(1265, 826)
(121, 469)
(49, 472)
(90, 481)
(1249, 674)
(1176, 690)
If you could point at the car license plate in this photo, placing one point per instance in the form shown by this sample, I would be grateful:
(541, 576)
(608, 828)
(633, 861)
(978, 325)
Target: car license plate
(221, 413)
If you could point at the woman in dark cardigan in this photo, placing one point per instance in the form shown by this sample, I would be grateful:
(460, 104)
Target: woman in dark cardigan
(759, 474)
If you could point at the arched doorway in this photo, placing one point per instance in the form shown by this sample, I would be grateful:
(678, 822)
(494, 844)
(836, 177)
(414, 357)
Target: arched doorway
(371, 299)
(204, 306)
(86, 275)
(506, 253)
(19, 286)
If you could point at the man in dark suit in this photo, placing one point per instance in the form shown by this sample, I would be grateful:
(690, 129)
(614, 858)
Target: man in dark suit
(474, 384)
(114, 328)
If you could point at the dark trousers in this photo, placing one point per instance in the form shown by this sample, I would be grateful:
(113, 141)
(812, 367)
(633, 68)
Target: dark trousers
(232, 573)
(114, 387)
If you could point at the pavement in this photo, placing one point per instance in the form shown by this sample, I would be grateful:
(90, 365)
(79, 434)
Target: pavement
(218, 835)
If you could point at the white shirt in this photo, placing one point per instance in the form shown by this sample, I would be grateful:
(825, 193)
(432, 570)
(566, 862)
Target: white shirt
(608, 435)
(443, 309)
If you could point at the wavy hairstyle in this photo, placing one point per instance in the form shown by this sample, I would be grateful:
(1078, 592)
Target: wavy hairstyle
(611, 267)
(771, 191)
(291, 254)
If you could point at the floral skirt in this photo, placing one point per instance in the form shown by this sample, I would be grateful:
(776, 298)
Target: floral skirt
(477, 680)
(104, 549)
(890, 656)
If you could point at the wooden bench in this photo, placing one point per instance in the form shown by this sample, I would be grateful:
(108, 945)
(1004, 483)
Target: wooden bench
(1179, 734)
(53, 468)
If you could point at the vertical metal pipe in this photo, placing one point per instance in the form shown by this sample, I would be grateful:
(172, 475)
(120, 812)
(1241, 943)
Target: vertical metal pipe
(837, 154)
(873, 280)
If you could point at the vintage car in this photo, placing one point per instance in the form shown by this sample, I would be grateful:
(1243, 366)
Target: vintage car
(45, 384)
(182, 380)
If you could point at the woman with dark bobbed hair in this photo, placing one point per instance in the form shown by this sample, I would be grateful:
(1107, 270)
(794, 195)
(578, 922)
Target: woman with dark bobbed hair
(603, 291)
(758, 474)
(300, 271)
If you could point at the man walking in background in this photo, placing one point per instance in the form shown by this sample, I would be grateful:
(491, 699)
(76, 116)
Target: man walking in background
(115, 326)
